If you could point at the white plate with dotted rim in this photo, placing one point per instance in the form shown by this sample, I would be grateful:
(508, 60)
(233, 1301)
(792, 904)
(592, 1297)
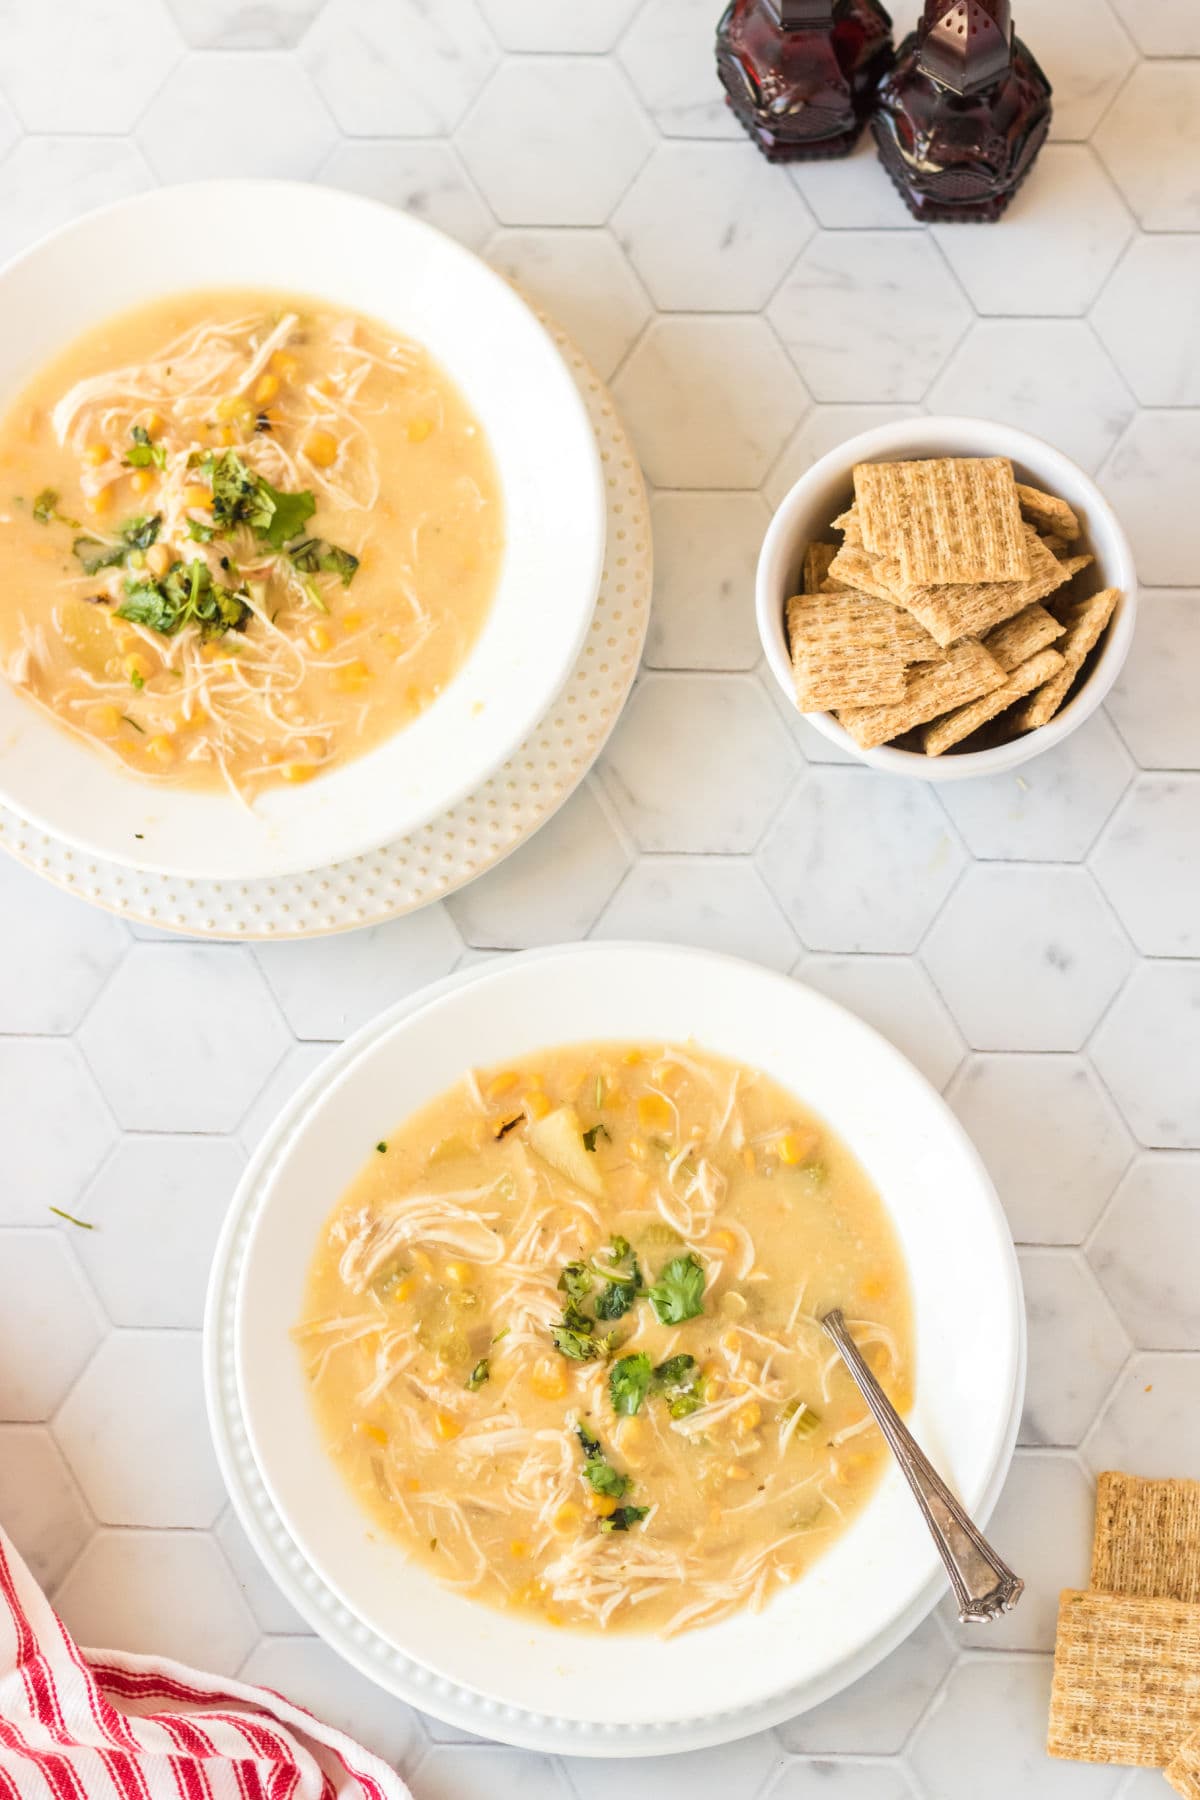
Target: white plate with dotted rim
(373, 1654)
(471, 837)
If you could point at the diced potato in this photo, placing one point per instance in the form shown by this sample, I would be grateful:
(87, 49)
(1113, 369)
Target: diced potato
(558, 1140)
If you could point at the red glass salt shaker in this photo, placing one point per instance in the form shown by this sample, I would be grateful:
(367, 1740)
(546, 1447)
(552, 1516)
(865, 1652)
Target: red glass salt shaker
(964, 112)
(801, 74)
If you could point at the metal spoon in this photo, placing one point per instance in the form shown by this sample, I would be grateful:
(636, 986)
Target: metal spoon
(984, 1585)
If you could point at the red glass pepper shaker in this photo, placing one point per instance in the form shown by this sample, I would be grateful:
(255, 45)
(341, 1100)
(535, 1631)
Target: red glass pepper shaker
(964, 112)
(801, 74)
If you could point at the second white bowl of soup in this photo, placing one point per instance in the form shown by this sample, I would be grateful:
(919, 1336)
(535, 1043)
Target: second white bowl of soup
(529, 1349)
(301, 525)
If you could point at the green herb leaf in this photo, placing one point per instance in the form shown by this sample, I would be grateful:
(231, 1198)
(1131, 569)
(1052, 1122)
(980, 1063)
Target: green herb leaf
(381, 1146)
(200, 534)
(314, 554)
(629, 1382)
(45, 506)
(678, 1294)
(623, 1518)
(279, 517)
(187, 595)
(592, 1136)
(479, 1374)
(605, 1479)
(144, 452)
(679, 1380)
(136, 534)
(576, 1282)
(573, 1343)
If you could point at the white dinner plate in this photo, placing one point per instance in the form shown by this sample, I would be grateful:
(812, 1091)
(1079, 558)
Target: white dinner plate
(620, 1693)
(358, 254)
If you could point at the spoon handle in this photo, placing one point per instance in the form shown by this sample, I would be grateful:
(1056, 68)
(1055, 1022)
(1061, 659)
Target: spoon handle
(984, 1586)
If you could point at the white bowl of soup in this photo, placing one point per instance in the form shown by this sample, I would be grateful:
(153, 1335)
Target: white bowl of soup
(528, 1343)
(301, 528)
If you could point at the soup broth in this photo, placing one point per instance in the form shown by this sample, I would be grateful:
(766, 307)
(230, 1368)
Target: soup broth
(563, 1337)
(243, 537)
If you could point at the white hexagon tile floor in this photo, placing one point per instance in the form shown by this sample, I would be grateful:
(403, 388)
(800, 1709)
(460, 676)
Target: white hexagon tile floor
(1032, 942)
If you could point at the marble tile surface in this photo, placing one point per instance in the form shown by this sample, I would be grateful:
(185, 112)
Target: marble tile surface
(1029, 942)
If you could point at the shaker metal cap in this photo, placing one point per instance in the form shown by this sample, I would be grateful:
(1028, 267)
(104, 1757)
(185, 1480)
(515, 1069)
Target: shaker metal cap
(966, 45)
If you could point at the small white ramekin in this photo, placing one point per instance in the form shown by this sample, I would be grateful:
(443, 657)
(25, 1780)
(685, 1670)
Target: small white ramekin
(828, 488)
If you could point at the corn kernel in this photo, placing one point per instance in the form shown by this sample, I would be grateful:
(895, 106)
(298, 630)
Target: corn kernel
(376, 1433)
(318, 637)
(446, 1426)
(714, 1515)
(601, 1506)
(352, 620)
(632, 1058)
(141, 481)
(419, 429)
(794, 1146)
(195, 495)
(161, 749)
(99, 503)
(549, 1380)
(737, 1472)
(325, 384)
(233, 406)
(412, 1485)
(103, 721)
(567, 1517)
(724, 1240)
(460, 1274)
(403, 1289)
(502, 1084)
(297, 773)
(136, 668)
(537, 1105)
(351, 676)
(654, 1113)
(749, 1417)
(285, 364)
(153, 423)
(872, 1287)
(266, 388)
(749, 1160)
(730, 1341)
(518, 1549)
(321, 448)
(95, 454)
(227, 435)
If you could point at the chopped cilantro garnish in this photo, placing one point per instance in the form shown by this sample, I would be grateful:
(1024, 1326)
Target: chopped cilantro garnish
(479, 1374)
(569, 1341)
(45, 506)
(600, 1475)
(187, 595)
(381, 1146)
(313, 554)
(619, 1292)
(623, 1518)
(200, 534)
(143, 452)
(136, 534)
(629, 1382)
(592, 1136)
(137, 681)
(576, 1282)
(678, 1294)
(679, 1380)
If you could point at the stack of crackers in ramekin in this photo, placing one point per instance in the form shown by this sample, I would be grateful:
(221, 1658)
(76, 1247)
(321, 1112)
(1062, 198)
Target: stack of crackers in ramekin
(1127, 1663)
(927, 623)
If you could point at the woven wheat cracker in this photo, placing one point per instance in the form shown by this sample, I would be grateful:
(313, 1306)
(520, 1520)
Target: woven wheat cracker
(848, 524)
(1147, 1538)
(856, 568)
(817, 559)
(946, 521)
(944, 733)
(1126, 1679)
(844, 651)
(1183, 1771)
(1020, 638)
(932, 688)
(1085, 621)
(954, 612)
(1047, 512)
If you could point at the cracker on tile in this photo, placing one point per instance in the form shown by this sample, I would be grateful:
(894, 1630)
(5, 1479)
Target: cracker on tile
(1126, 1679)
(1147, 1538)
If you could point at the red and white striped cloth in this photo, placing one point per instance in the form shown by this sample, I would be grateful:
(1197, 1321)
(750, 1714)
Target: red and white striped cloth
(101, 1725)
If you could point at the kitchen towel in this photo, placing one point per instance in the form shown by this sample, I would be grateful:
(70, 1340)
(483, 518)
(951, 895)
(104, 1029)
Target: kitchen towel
(102, 1725)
